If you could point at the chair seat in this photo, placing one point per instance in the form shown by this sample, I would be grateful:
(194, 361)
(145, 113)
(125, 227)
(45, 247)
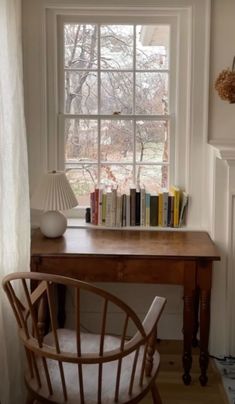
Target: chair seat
(90, 344)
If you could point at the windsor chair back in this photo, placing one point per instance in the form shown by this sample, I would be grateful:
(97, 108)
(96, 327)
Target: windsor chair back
(71, 366)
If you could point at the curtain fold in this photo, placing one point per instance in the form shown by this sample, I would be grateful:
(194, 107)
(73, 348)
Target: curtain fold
(14, 193)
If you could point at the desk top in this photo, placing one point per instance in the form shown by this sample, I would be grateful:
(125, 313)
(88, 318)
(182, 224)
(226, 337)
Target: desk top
(127, 243)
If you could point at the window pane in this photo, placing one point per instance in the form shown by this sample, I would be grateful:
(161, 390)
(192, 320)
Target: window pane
(116, 141)
(152, 141)
(152, 46)
(116, 46)
(82, 179)
(153, 178)
(80, 92)
(116, 93)
(152, 93)
(120, 176)
(80, 46)
(81, 141)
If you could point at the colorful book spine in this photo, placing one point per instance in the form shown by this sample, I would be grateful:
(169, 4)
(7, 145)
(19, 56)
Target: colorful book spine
(170, 219)
(184, 204)
(165, 195)
(137, 208)
(108, 212)
(96, 206)
(118, 211)
(104, 196)
(176, 193)
(147, 205)
(142, 207)
(100, 194)
(124, 210)
(153, 210)
(160, 209)
(128, 211)
(92, 202)
(132, 206)
(113, 207)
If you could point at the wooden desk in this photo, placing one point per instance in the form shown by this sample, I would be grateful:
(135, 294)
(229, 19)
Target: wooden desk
(166, 257)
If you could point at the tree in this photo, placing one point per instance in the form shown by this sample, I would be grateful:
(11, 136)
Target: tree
(81, 97)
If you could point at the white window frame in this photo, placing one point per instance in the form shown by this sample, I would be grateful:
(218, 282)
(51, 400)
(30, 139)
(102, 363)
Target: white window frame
(169, 117)
(179, 42)
(40, 85)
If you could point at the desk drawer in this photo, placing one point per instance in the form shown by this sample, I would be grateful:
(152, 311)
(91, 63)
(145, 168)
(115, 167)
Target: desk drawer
(108, 269)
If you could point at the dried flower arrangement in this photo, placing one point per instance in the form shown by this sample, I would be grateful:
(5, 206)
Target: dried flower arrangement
(225, 84)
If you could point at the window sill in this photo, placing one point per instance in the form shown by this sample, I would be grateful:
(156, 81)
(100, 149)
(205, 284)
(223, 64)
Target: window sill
(80, 223)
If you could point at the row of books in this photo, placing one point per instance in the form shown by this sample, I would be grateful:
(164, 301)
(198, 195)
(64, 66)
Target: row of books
(139, 208)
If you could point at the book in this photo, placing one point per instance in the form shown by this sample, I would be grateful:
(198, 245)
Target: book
(142, 207)
(96, 215)
(118, 221)
(103, 207)
(128, 211)
(124, 210)
(160, 209)
(132, 206)
(170, 217)
(147, 206)
(100, 194)
(113, 207)
(108, 221)
(153, 210)
(92, 203)
(137, 208)
(165, 195)
(183, 206)
(176, 193)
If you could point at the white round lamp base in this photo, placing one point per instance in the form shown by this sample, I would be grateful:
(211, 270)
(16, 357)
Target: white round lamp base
(53, 224)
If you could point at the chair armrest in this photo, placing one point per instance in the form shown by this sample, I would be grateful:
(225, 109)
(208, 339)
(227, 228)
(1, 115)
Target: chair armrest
(153, 315)
(150, 321)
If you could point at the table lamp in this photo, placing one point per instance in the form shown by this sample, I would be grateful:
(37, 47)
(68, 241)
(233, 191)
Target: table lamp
(53, 195)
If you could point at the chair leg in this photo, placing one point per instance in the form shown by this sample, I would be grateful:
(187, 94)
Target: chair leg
(155, 394)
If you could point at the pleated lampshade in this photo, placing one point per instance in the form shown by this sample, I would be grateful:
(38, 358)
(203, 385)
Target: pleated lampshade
(54, 193)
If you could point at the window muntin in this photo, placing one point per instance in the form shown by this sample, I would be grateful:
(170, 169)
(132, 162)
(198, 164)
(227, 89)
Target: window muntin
(116, 106)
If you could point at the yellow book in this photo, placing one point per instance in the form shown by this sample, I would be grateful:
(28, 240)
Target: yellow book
(176, 193)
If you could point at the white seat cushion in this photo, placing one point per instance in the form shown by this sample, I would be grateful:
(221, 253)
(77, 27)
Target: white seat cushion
(90, 344)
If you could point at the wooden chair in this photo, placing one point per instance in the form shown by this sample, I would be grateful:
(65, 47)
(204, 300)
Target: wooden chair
(69, 366)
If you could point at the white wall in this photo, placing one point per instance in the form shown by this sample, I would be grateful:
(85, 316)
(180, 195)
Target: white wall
(221, 135)
(222, 116)
(208, 179)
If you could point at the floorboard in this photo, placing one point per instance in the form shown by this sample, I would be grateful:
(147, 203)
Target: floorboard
(169, 381)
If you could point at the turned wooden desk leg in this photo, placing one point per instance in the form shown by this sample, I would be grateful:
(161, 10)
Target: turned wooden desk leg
(189, 312)
(204, 283)
(196, 314)
(41, 312)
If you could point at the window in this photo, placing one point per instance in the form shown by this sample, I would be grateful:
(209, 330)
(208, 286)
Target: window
(116, 118)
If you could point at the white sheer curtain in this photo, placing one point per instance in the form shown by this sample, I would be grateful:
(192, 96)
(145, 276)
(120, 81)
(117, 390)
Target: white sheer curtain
(14, 193)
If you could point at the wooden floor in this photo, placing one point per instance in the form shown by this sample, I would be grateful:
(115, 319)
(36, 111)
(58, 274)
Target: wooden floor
(169, 380)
